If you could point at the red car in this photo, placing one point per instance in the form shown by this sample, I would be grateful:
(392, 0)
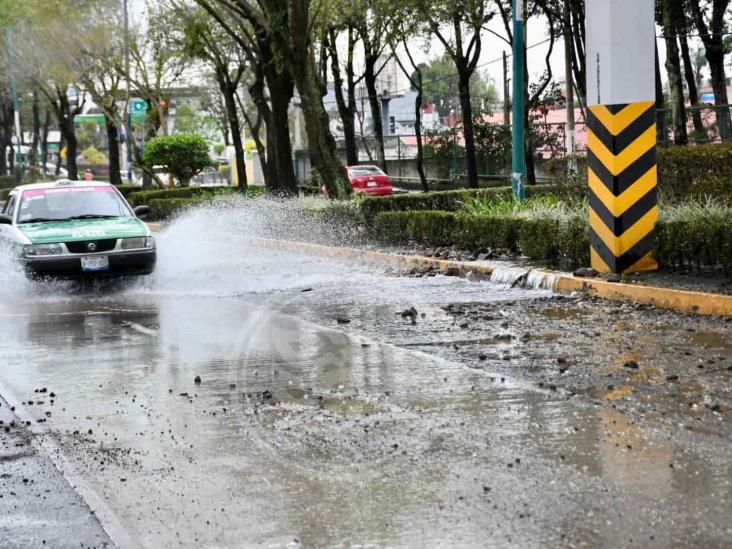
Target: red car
(370, 180)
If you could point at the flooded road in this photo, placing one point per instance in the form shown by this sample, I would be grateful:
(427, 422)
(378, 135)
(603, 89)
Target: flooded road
(247, 397)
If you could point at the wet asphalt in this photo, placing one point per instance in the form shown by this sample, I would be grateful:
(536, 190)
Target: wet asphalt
(249, 398)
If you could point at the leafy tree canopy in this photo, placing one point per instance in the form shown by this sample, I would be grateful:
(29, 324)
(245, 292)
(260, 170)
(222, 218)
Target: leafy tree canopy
(183, 155)
(441, 87)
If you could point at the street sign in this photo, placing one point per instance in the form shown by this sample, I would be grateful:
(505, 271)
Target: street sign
(138, 106)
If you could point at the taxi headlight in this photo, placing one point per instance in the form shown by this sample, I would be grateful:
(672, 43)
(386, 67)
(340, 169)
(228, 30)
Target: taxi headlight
(143, 242)
(42, 249)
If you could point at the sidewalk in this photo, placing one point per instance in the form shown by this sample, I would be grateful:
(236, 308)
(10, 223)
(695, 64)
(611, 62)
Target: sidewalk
(38, 507)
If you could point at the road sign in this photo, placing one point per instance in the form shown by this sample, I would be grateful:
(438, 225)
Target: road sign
(138, 106)
(621, 137)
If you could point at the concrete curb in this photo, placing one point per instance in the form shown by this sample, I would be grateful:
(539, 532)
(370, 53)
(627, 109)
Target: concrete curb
(683, 301)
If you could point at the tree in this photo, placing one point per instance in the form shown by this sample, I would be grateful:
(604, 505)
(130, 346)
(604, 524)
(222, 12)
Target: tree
(346, 103)
(669, 20)
(683, 25)
(204, 39)
(287, 29)
(407, 27)
(249, 26)
(441, 87)
(711, 28)
(183, 155)
(458, 26)
(376, 27)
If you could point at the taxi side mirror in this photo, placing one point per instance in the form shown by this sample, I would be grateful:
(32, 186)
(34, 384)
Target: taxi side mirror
(141, 211)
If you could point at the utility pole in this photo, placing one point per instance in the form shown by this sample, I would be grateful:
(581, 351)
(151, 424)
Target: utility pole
(128, 106)
(506, 94)
(16, 103)
(518, 175)
(571, 135)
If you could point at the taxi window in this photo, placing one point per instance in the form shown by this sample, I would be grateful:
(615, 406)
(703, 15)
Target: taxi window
(9, 206)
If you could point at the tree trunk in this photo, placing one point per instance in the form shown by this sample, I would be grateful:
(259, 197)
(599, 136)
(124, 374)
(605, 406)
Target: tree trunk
(69, 132)
(673, 69)
(301, 64)
(280, 92)
(693, 90)
(373, 96)
(471, 162)
(6, 141)
(418, 131)
(33, 155)
(115, 168)
(44, 141)
(346, 110)
(277, 122)
(719, 85)
(257, 93)
(661, 130)
(228, 90)
(712, 36)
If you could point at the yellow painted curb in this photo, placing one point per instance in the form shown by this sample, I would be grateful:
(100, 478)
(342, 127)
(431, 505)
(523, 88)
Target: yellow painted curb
(684, 301)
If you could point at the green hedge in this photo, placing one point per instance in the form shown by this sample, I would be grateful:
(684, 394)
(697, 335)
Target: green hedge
(537, 238)
(8, 181)
(680, 243)
(309, 190)
(144, 197)
(695, 171)
(162, 208)
(128, 189)
(449, 201)
(4, 193)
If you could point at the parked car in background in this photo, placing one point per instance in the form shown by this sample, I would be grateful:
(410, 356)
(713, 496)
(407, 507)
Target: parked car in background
(369, 180)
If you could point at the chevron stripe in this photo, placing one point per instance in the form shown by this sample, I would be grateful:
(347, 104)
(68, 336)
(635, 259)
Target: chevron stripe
(618, 117)
(618, 163)
(639, 255)
(621, 183)
(617, 143)
(618, 225)
(618, 204)
(620, 244)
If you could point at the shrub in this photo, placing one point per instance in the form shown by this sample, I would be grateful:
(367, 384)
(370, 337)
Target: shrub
(695, 172)
(543, 238)
(309, 190)
(538, 238)
(144, 197)
(4, 193)
(164, 208)
(441, 200)
(184, 155)
(127, 190)
(8, 181)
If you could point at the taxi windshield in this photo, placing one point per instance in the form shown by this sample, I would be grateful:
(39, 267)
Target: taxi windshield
(66, 203)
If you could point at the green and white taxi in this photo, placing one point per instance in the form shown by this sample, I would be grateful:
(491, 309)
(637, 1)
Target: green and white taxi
(76, 228)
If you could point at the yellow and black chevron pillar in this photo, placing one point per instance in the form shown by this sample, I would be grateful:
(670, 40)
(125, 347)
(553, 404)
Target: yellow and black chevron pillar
(622, 175)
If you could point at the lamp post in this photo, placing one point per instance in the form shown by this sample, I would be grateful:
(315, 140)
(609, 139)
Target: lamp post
(518, 165)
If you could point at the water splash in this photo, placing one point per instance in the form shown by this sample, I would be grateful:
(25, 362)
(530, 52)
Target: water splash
(521, 277)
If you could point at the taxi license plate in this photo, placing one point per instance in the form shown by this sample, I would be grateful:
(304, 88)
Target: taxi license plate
(95, 263)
